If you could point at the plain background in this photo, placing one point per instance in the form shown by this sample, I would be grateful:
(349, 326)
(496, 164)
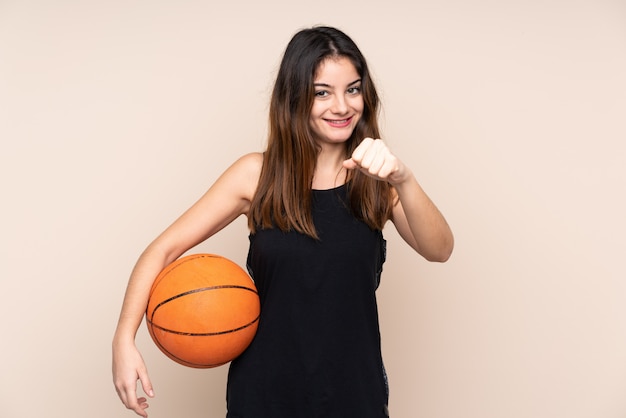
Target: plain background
(115, 116)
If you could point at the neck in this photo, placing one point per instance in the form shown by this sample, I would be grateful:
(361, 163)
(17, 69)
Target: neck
(329, 170)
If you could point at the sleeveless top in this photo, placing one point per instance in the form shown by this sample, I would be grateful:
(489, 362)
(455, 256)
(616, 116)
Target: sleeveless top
(317, 351)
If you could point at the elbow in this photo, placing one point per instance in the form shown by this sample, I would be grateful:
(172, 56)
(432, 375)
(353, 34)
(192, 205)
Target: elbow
(442, 253)
(441, 257)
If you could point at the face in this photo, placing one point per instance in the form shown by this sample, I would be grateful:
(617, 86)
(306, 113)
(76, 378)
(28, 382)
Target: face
(338, 103)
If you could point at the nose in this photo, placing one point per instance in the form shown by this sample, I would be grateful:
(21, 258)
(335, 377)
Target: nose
(339, 105)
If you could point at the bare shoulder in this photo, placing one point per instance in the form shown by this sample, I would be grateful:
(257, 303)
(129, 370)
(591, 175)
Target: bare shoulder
(248, 168)
(243, 175)
(250, 163)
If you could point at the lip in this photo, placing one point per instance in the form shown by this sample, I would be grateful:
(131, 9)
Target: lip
(339, 123)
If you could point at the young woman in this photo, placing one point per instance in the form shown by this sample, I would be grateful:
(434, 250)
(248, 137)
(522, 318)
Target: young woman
(316, 200)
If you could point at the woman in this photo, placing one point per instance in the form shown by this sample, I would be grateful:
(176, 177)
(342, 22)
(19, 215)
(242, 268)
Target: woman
(316, 201)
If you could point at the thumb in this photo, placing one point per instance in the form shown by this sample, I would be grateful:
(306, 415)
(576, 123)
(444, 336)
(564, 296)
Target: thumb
(350, 164)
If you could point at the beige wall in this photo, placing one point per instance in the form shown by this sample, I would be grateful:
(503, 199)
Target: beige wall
(116, 115)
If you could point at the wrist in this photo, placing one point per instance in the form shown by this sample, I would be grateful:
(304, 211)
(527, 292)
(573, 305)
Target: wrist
(122, 338)
(401, 177)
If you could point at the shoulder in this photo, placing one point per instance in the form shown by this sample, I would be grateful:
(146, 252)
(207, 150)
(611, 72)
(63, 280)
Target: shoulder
(248, 168)
(243, 175)
(251, 163)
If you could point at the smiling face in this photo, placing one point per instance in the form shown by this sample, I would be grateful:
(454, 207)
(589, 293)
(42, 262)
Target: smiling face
(338, 103)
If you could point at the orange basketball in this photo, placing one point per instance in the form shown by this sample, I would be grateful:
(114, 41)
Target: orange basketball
(203, 310)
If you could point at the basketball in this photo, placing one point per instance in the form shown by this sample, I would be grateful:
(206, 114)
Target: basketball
(203, 310)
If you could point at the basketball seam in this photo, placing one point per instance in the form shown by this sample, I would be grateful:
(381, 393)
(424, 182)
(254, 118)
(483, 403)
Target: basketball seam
(186, 259)
(186, 362)
(202, 289)
(190, 292)
(203, 334)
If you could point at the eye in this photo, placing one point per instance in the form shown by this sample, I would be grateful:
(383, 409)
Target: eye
(354, 90)
(321, 93)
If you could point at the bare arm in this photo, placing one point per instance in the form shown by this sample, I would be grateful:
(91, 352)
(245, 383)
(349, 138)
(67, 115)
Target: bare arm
(415, 216)
(420, 223)
(228, 198)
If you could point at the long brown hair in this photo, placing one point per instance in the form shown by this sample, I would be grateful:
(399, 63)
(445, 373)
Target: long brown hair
(283, 195)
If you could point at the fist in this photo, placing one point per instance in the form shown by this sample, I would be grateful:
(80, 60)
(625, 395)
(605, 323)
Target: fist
(373, 158)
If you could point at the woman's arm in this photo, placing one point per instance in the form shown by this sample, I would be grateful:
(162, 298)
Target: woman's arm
(420, 223)
(228, 198)
(415, 216)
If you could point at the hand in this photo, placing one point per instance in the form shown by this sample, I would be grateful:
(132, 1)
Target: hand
(374, 159)
(128, 367)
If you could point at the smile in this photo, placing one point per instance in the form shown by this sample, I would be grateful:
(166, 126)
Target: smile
(339, 123)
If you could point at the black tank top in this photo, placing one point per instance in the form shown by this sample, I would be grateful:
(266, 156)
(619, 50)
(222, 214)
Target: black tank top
(317, 350)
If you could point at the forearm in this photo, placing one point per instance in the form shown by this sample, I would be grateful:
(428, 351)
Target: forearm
(148, 266)
(429, 232)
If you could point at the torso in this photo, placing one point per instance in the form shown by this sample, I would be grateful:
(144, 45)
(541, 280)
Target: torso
(317, 350)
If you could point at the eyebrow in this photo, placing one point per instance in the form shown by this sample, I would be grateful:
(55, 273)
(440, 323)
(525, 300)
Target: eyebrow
(328, 85)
